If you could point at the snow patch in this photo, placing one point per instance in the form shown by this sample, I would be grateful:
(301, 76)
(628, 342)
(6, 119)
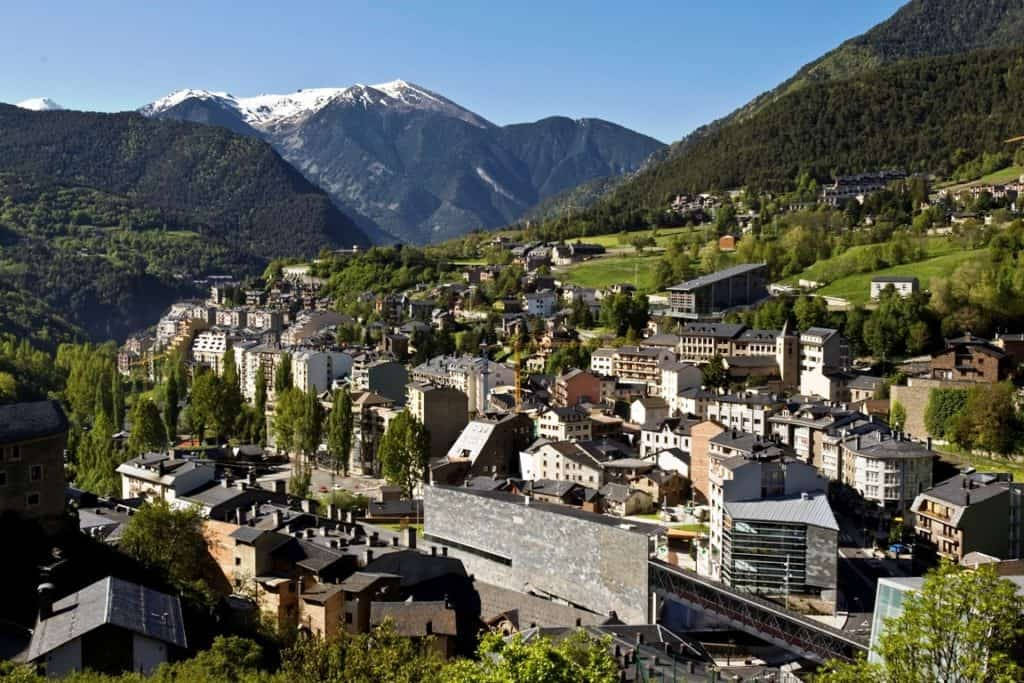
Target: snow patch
(39, 104)
(494, 186)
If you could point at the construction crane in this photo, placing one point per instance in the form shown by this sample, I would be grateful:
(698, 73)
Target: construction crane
(519, 377)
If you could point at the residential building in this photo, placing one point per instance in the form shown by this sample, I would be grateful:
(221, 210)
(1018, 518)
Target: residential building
(371, 413)
(542, 303)
(444, 411)
(601, 361)
(387, 378)
(677, 377)
(209, 347)
(649, 410)
(972, 512)
(903, 285)
(803, 427)
(563, 461)
(701, 341)
(971, 359)
(162, 476)
(472, 375)
(488, 446)
(712, 295)
(308, 324)
(32, 441)
(701, 435)
(640, 364)
(670, 433)
(747, 412)
(886, 469)
(856, 187)
(112, 627)
(576, 386)
(623, 500)
(421, 620)
(823, 354)
(571, 423)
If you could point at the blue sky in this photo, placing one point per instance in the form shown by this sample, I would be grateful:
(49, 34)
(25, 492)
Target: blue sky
(662, 68)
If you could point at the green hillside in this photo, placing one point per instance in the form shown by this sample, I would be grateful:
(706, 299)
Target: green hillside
(857, 288)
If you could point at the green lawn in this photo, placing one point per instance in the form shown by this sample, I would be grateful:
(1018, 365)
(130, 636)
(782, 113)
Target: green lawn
(665, 235)
(1005, 175)
(857, 288)
(603, 272)
(819, 271)
(470, 262)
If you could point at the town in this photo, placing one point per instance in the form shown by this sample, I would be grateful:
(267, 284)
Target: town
(705, 478)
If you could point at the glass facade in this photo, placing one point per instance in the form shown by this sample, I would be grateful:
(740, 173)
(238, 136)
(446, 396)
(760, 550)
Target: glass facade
(764, 557)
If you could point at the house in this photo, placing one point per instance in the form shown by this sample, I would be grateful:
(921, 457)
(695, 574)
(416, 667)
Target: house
(112, 626)
(727, 243)
(583, 463)
(32, 440)
(362, 589)
(559, 492)
(162, 476)
(570, 423)
(624, 500)
(601, 361)
(576, 386)
(648, 411)
(419, 620)
(677, 377)
(488, 446)
(971, 359)
(745, 412)
(903, 285)
(666, 488)
(972, 512)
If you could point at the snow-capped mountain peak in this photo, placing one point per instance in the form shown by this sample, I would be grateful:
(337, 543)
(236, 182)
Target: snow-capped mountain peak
(39, 104)
(268, 110)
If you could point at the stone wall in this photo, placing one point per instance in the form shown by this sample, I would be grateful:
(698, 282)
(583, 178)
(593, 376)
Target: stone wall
(914, 398)
(544, 549)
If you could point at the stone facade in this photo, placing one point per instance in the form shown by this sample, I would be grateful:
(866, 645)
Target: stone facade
(587, 560)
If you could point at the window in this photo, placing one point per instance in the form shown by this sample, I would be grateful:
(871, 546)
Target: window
(36, 472)
(3, 478)
(348, 617)
(238, 561)
(15, 453)
(32, 499)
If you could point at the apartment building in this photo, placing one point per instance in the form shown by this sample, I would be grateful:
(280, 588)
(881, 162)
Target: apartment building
(32, 440)
(748, 412)
(972, 512)
(444, 411)
(576, 386)
(885, 468)
(640, 364)
(472, 375)
(823, 354)
(570, 423)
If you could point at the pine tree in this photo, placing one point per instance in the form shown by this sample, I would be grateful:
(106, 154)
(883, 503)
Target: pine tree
(339, 431)
(148, 430)
(117, 398)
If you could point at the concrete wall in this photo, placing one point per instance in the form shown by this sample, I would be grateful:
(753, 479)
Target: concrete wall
(147, 654)
(914, 398)
(597, 566)
(822, 557)
(65, 659)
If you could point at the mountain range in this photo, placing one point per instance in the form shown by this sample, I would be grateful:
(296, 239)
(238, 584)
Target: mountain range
(407, 162)
(933, 86)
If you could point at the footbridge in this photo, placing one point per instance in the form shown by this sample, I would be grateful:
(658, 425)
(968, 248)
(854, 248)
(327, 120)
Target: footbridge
(765, 620)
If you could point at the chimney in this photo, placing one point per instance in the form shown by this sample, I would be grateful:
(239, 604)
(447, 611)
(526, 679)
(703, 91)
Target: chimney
(409, 537)
(225, 482)
(332, 511)
(306, 505)
(804, 496)
(44, 596)
(367, 557)
(240, 516)
(929, 442)
(280, 486)
(240, 484)
(323, 531)
(278, 519)
(967, 498)
(250, 478)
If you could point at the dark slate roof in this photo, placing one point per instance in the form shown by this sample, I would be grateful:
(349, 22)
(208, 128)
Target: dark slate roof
(981, 486)
(23, 421)
(718, 276)
(110, 601)
(360, 581)
(411, 618)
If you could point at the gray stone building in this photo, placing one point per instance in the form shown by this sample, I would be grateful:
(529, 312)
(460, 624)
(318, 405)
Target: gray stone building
(586, 560)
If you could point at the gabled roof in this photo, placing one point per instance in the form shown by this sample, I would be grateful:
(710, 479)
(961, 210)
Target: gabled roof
(412, 619)
(111, 601)
(23, 421)
(813, 510)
